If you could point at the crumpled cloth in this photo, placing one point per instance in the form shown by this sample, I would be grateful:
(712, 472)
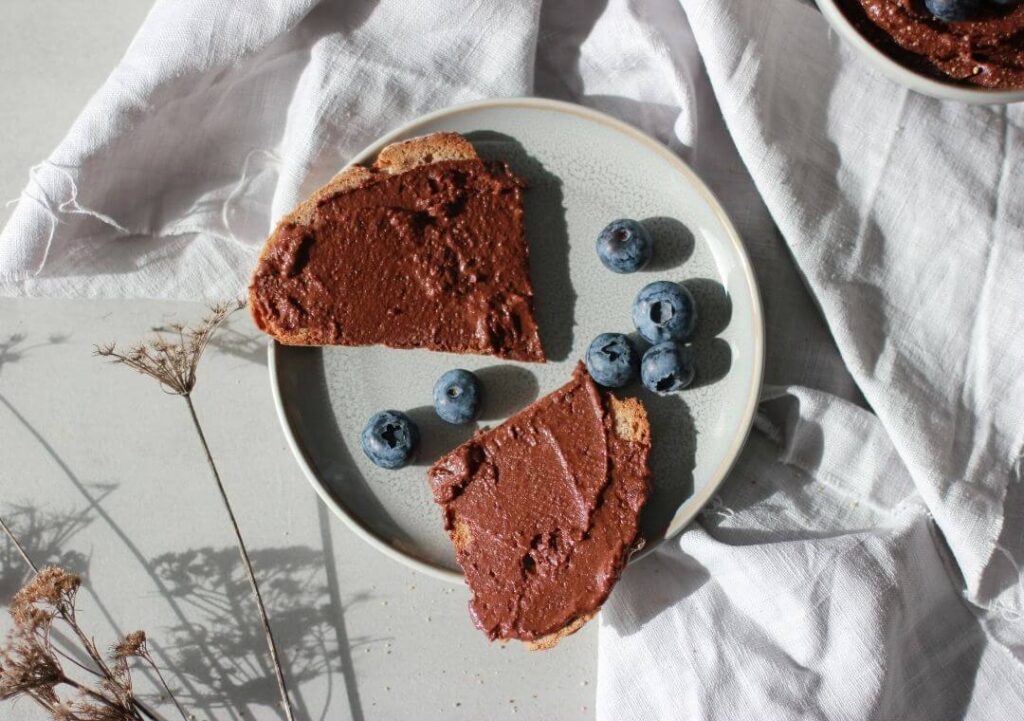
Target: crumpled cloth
(863, 560)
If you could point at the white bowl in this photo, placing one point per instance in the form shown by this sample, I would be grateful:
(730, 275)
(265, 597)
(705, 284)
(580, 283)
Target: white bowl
(906, 77)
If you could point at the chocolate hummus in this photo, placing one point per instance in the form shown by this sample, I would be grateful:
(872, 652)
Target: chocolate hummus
(543, 509)
(434, 257)
(987, 51)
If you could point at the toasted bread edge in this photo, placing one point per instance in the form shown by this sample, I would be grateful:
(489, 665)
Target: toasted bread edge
(392, 159)
(551, 640)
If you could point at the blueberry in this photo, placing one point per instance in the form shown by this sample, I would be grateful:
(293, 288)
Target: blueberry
(624, 246)
(457, 396)
(667, 367)
(1007, 3)
(664, 311)
(390, 439)
(953, 10)
(611, 360)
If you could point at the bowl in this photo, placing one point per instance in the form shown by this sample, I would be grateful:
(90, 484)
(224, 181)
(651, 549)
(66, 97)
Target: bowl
(907, 77)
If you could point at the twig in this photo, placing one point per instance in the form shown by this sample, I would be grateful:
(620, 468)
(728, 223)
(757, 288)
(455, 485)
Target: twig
(149, 659)
(173, 364)
(72, 659)
(96, 695)
(264, 620)
(150, 713)
(87, 643)
(137, 707)
(18, 546)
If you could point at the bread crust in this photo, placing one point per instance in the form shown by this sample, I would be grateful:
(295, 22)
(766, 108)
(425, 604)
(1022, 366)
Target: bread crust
(392, 160)
(551, 640)
(630, 419)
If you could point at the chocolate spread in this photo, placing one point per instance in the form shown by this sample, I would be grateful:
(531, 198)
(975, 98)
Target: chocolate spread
(434, 257)
(987, 50)
(543, 511)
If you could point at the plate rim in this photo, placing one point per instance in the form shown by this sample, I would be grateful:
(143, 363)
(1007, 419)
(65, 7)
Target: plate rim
(689, 510)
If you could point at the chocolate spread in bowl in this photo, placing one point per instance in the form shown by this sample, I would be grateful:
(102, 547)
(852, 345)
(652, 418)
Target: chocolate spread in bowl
(434, 257)
(986, 51)
(543, 511)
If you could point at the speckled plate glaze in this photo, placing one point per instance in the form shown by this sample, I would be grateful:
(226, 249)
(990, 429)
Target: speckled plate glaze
(584, 170)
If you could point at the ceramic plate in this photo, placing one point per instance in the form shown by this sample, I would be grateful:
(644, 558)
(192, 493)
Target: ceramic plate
(584, 169)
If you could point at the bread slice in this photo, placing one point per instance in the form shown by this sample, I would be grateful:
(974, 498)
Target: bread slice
(543, 511)
(424, 249)
(631, 424)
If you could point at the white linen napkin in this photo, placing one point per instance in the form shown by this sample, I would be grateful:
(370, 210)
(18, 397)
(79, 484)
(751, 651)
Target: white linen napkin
(863, 559)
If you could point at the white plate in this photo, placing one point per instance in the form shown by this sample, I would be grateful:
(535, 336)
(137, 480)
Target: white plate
(584, 170)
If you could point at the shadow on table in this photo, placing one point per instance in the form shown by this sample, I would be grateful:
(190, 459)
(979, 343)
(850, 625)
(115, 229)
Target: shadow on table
(14, 346)
(306, 615)
(46, 536)
(214, 654)
(240, 339)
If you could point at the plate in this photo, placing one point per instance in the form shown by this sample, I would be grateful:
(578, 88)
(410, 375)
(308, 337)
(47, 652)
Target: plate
(584, 169)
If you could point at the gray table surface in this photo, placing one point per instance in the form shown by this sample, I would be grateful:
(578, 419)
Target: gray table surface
(102, 472)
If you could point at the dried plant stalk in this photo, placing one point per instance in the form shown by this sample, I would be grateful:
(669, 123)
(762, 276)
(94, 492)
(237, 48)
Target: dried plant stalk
(172, 361)
(172, 355)
(31, 665)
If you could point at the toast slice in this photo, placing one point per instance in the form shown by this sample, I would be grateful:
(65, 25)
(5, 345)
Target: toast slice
(424, 249)
(543, 511)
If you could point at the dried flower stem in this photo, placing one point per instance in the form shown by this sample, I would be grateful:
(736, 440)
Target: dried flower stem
(126, 704)
(17, 545)
(156, 669)
(282, 686)
(96, 696)
(173, 363)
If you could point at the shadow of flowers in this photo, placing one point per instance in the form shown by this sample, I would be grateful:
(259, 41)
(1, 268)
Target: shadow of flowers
(211, 586)
(46, 535)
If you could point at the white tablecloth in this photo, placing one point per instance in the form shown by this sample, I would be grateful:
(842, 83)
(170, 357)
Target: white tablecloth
(862, 561)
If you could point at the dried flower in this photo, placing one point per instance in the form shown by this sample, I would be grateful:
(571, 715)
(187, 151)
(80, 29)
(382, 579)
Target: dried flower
(63, 711)
(173, 365)
(172, 362)
(30, 664)
(134, 644)
(89, 711)
(52, 592)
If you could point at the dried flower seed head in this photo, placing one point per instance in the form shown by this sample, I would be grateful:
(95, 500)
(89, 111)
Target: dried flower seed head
(28, 665)
(86, 711)
(134, 644)
(52, 590)
(63, 711)
(173, 354)
(31, 616)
